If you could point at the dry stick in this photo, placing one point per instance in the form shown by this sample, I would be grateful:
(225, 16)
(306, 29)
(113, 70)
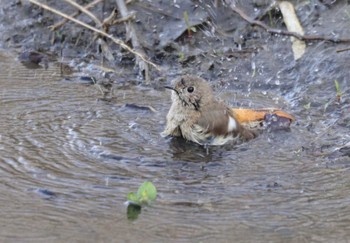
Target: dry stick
(342, 50)
(85, 11)
(130, 30)
(108, 21)
(284, 32)
(63, 21)
(115, 40)
(124, 19)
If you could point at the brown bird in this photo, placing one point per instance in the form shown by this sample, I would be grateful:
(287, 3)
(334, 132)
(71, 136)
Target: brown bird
(198, 116)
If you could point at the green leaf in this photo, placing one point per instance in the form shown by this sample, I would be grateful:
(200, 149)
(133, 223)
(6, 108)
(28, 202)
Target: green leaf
(187, 22)
(147, 192)
(337, 87)
(132, 197)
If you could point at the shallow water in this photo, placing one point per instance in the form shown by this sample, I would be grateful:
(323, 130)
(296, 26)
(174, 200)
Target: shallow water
(68, 161)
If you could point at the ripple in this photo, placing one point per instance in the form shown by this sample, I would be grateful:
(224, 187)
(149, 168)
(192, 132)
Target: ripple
(68, 163)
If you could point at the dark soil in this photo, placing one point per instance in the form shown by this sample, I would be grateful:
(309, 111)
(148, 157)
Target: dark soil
(223, 46)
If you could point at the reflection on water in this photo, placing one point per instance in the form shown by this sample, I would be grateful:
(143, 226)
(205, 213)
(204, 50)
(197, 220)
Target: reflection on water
(69, 160)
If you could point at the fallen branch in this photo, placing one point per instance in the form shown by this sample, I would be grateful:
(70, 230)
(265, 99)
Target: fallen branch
(107, 22)
(284, 32)
(292, 23)
(131, 16)
(85, 11)
(63, 21)
(110, 20)
(115, 40)
(342, 50)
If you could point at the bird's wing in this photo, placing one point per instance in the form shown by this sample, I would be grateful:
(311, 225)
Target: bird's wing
(216, 120)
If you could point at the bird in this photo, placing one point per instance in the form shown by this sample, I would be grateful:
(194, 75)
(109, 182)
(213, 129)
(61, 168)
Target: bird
(198, 116)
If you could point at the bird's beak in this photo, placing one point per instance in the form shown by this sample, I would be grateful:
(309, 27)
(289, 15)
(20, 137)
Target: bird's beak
(169, 87)
(172, 88)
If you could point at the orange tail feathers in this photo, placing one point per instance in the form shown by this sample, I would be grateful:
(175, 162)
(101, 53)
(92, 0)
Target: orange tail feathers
(255, 115)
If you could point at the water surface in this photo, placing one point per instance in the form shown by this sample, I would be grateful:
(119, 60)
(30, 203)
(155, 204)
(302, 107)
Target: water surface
(68, 160)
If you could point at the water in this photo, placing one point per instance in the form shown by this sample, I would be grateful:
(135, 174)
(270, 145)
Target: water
(68, 160)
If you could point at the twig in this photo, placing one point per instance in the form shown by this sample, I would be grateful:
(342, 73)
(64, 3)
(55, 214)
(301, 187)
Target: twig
(115, 40)
(284, 32)
(131, 31)
(108, 21)
(124, 19)
(63, 21)
(85, 11)
(342, 50)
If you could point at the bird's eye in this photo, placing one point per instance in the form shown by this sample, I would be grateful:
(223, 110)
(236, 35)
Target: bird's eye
(190, 89)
